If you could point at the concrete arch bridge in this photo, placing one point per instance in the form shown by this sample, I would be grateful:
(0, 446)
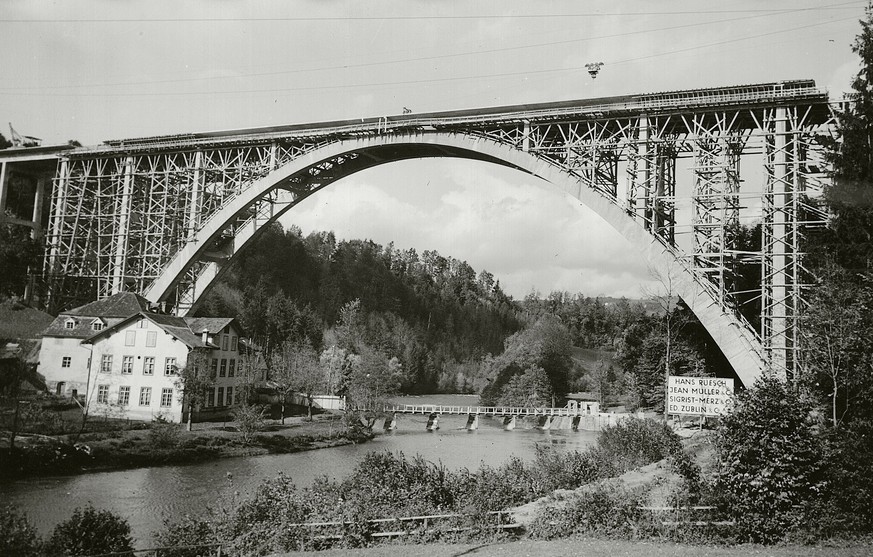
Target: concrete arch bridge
(163, 216)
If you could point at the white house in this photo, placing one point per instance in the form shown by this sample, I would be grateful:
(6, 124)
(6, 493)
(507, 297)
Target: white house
(133, 365)
(63, 359)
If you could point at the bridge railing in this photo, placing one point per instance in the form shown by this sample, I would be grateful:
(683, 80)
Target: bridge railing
(481, 410)
(381, 125)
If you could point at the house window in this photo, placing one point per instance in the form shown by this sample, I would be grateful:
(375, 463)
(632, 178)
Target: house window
(145, 396)
(210, 398)
(97, 325)
(170, 366)
(103, 394)
(106, 363)
(166, 397)
(233, 343)
(130, 338)
(148, 366)
(127, 364)
(65, 361)
(151, 339)
(69, 324)
(224, 341)
(229, 396)
(214, 366)
(222, 371)
(220, 395)
(231, 368)
(143, 324)
(123, 396)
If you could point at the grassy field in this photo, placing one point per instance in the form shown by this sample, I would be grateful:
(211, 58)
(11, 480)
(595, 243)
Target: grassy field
(589, 548)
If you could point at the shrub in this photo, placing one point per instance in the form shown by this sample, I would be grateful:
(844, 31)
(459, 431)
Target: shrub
(250, 420)
(164, 434)
(17, 536)
(187, 532)
(91, 532)
(563, 470)
(387, 483)
(260, 525)
(605, 510)
(770, 461)
(632, 443)
(848, 460)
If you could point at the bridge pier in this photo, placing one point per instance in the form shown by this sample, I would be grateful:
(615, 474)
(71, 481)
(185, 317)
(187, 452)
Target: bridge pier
(433, 422)
(390, 423)
(472, 422)
(508, 423)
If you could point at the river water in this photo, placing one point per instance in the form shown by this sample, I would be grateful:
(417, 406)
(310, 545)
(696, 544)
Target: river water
(146, 496)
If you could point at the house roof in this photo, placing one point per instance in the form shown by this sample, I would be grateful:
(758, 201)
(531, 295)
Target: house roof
(213, 325)
(18, 321)
(175, 326)
(123, 304)
(81, 329)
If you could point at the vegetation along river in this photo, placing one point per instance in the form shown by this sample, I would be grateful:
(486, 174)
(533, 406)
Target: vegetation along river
(146, 496)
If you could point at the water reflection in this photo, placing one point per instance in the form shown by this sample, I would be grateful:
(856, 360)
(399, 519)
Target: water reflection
(146, 496)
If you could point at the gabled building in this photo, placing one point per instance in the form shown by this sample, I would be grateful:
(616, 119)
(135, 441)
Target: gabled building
(63, 359)
(134, 361)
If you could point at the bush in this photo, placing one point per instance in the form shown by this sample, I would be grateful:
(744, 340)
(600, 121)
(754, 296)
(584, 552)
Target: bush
(187, 532)
(164, 434)
(846, 508)
(91, 532)
(770, 462)
(17, 536)
(250, 420)
(606, 510)
(632, 443)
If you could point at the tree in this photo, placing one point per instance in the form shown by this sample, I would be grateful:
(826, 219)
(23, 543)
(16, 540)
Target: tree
(602, 376)
(18, 254)
(545, 345)
(12, 372)
(249, 372)
(848, 239)
(530, 389)
(250, 418)
(371, 380)
(770, 465)
(194, 380)
(672, 320)
(335, 362)
(295, 366)
(836, 344)
(91, 532)
(17, 536)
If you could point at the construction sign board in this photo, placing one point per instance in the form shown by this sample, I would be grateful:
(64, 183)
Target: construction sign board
(699, 396)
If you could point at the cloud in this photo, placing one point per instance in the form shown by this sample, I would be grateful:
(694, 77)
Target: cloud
(529, 235)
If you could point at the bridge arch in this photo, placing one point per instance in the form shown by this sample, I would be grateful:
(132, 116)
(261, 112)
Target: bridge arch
(289, 184)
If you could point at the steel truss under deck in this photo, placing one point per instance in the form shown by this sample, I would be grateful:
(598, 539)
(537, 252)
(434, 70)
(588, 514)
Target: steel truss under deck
(122, 211)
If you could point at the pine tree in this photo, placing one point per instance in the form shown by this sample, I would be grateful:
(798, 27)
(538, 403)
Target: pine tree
(849, 241)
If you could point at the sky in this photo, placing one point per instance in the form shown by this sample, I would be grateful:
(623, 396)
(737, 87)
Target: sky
(95, 70)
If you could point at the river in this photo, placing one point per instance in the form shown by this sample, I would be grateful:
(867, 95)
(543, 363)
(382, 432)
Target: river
(146, 496)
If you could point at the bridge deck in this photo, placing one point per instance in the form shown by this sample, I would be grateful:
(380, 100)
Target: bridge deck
(483, 410)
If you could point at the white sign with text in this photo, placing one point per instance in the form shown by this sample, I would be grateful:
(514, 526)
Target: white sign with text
(699, 396)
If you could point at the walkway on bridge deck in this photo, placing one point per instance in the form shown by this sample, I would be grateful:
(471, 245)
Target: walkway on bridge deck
(582, 409)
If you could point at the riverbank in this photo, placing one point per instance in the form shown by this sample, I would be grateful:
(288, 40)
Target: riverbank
(168, 444)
